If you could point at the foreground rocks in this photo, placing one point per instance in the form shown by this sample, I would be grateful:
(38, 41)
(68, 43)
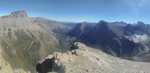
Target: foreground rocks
(89, 60)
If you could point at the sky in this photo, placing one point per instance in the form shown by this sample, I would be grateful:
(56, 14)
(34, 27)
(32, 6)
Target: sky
(82, 10)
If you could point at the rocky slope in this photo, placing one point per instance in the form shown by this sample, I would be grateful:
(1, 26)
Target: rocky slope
(116, 38)
(24, 40)
(89, 60)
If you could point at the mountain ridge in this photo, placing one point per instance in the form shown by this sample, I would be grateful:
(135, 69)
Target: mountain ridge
(116, 39)
(25, 40)
(89, 60)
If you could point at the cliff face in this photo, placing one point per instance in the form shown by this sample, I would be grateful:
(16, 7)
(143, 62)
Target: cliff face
(21, 13)
(89, 60)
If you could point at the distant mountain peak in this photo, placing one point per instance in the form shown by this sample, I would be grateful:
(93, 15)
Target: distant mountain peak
(19, 13)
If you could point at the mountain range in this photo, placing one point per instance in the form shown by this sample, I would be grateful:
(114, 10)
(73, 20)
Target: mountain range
(25, 40)
(116, 38)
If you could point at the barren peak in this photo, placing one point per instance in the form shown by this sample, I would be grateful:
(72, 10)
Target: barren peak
(19, 13)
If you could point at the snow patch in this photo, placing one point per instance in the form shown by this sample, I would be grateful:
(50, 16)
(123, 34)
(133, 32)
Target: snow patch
(138, 38)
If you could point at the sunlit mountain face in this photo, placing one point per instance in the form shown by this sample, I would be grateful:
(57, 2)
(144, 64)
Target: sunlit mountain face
(25, 40)
(74, 36)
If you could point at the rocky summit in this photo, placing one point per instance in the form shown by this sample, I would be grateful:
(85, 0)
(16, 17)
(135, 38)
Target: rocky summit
(20, 13)
(89, 60)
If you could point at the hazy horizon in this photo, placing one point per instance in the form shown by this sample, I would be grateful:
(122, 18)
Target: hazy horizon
(82, 10)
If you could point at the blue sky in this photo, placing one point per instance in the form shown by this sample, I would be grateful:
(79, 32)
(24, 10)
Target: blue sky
(82, 10)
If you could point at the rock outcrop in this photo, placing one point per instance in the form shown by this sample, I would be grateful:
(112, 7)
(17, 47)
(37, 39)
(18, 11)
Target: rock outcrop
(89, 60)
(20, 13)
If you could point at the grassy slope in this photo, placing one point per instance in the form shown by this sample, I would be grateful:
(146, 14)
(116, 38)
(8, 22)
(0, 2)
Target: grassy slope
(23, 42)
